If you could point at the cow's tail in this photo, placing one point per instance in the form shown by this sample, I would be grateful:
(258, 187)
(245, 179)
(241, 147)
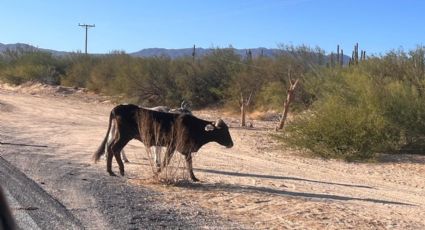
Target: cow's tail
(101, 150)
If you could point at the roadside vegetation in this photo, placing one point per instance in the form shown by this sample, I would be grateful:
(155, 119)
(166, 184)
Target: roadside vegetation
(343, 111)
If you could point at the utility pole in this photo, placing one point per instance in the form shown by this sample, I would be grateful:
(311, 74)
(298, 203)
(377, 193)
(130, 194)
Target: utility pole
(87, 27)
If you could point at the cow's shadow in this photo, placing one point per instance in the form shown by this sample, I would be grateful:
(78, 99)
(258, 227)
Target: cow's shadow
(236, 174)
(250, 189)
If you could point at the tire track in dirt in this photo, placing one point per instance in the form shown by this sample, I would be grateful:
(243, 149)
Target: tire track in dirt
(47, 212)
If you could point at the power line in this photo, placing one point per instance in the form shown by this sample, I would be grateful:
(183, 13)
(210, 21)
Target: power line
(87, 27)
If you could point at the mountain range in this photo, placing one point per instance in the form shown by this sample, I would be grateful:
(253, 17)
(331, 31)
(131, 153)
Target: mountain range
(175, 53)
(151, 52)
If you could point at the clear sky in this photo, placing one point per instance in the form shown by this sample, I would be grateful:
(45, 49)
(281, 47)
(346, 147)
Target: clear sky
(130, 25)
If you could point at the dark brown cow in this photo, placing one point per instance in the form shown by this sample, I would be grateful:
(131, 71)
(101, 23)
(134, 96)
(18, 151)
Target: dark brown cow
(182, 132)
(157, 150)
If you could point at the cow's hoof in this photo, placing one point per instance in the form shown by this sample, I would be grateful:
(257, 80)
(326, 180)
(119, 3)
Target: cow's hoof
(122, 173)
(194, 179)
(112, 174)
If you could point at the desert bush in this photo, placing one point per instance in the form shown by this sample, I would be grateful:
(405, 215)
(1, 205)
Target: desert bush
(407, 67)
(155, 82)
(30, 65)
(360, 110)
(192, 83)
(271, 96)
(404, 107)
(219, 67)
(109, 74)
(346, 122)
(78, 69)
(30, 72)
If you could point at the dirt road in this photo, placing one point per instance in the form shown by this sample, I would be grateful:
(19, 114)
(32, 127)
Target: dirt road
(254, 185)
(26, 197)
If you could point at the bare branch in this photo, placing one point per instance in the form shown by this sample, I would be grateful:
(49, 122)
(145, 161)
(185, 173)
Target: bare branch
(289, 76)
(241, 101)
(249, 99)
(289, 98)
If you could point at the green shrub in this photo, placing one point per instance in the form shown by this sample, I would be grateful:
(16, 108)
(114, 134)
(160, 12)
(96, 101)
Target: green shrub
(404, 106)
(78, 69)
(271, 96)
(21, 66)
(30, 72)
(347, 122)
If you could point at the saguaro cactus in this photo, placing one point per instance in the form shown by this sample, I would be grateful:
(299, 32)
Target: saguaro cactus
(193, 53)
(337, 55)
(356, 53)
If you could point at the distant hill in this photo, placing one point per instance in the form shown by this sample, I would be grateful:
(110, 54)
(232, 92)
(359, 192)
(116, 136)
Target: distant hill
(152, 52)
(176, 53)
(16, 46)
(23, 46)
(4, 47)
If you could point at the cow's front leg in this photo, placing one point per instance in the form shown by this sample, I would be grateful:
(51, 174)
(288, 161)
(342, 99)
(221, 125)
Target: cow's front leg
(157, 156)
(189, 167)
(120, 163)
(167, 158)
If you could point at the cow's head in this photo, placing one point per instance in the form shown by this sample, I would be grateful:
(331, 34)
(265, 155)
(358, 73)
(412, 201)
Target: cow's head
(221, 133)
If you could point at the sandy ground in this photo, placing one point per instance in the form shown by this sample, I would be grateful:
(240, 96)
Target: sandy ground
(254, 185)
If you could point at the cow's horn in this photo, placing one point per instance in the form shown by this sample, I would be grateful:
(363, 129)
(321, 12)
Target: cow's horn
(183, 105)
(219, 123)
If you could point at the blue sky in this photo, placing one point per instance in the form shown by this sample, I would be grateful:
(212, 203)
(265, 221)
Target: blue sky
(377, 25)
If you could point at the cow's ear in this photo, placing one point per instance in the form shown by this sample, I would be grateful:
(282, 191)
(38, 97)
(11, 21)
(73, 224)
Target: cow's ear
(209, 127)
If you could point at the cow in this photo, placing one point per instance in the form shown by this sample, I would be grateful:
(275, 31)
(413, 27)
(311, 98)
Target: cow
(184, 108)
(182, 132)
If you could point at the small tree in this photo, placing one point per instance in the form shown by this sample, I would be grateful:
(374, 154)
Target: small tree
(244, 103)
(289, 99)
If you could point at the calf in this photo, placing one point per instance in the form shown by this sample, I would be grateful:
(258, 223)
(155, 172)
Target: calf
(182, 132)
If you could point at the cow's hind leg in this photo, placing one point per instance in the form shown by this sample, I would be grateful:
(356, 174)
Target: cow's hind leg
(111, 140)
(124, 157)
(116, 149)
(109, 157)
